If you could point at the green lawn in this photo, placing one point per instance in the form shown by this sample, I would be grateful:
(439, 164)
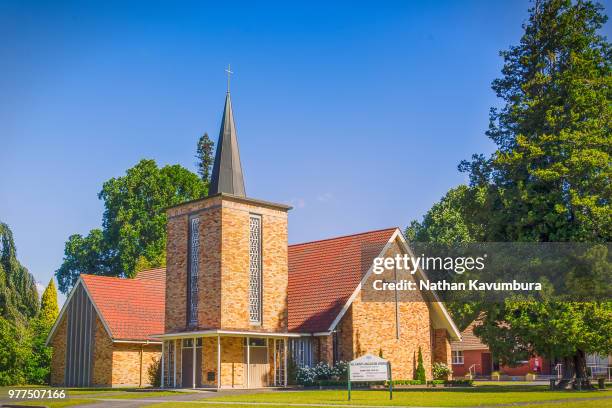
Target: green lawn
(576, 404)
(482, 395)
(142, 394)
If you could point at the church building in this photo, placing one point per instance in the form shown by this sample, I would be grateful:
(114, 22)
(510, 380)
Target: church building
(239, 303)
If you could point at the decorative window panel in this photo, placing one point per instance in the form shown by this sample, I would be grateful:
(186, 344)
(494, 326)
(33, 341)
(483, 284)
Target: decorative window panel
(255, 269)
(194, 264)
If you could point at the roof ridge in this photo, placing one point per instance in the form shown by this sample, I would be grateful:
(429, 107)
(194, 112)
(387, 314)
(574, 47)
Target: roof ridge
(344, 236)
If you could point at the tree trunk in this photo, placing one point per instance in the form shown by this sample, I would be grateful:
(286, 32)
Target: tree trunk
(575, 372)
(582, 381)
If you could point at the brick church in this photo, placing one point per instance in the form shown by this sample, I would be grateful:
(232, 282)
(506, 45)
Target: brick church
(236, 303)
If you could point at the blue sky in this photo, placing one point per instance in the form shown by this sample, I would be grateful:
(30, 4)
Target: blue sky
(356, 114)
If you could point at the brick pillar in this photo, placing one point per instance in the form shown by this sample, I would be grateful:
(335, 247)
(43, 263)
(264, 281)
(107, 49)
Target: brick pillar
(326, 349)
(442, 347)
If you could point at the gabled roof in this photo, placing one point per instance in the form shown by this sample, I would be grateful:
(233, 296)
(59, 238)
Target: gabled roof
(133, 309)
(469, 341)
(130, 309)
(324, 274)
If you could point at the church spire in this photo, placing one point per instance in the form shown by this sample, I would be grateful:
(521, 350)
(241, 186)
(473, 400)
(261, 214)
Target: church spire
(227, 170)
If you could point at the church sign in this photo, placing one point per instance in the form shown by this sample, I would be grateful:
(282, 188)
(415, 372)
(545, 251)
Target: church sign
(369, 368)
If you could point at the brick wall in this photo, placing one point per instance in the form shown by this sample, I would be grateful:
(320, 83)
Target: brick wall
(177, 261)
(224, 264)
(58, 356)
(103, 356)
(235, 266)
(126, 367)
(469, 357)
(324, 349)
(442, 347)
(209, 360)
(233, 369)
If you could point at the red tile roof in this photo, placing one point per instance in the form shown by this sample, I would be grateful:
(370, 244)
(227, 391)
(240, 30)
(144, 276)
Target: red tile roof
(132, 308)
(469, 341)
(323, 275)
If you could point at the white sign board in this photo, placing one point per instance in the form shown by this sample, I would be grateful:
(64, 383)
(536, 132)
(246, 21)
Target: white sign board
(369, 368)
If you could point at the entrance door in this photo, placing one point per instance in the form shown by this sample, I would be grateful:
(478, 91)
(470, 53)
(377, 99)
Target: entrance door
(187, 363)
(258, 364)
(486, 363)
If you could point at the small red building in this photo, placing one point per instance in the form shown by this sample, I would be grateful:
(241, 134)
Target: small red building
(471, 356)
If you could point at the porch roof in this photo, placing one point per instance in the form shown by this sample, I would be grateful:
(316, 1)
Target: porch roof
(223, 332)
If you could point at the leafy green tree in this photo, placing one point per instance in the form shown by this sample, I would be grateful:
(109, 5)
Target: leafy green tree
(85, 254)
(419, 374)
(15, 352)
(204, 154)
(133, 225)
(18, 295)
(447, 221)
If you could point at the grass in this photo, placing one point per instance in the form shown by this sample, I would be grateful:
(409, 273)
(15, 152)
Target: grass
(145, 394)
(576, 404)
(483, 395)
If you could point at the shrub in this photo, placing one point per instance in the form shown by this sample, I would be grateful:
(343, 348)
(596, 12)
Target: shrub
(407, 382)
(441, 371)
(459, 382)
(420, 370)
(322, 372)
(154, 373)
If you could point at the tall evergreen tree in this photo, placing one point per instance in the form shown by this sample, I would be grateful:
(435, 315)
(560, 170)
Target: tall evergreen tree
(552, 171)
(18, 295)
(550, 178)
(49, 309)
(204, 154)
(18, 304)
(39, 364)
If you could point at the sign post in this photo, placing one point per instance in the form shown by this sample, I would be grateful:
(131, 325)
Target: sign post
(369, 368)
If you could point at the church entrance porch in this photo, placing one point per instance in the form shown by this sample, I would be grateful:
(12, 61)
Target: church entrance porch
(224, 359)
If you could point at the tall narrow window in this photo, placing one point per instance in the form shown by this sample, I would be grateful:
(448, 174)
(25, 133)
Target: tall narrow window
(255, 269)
(194, 258)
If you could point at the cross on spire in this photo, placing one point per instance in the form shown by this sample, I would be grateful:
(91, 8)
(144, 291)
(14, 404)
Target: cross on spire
(229, 72)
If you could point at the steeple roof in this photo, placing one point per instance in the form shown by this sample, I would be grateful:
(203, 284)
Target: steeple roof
(227, 171)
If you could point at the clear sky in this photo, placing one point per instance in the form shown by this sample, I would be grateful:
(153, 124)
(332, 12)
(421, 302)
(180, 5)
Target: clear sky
(356, 114)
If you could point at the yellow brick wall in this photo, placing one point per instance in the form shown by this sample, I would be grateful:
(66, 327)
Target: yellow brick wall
(103, 356)
(233, 368)
(235, 267)
(224, 264)
(209, 360)
(442, 347)
(58, 356)
(126, 366)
